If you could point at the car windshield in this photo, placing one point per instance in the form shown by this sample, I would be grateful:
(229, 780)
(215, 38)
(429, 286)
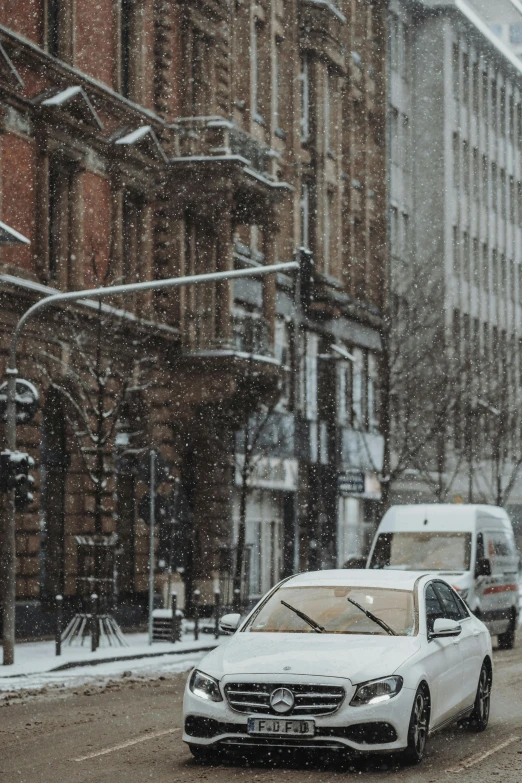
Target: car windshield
(415, 551)
(328, 606)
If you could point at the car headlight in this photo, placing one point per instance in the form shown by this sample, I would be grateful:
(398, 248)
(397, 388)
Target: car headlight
(377, 691)
(204, 686)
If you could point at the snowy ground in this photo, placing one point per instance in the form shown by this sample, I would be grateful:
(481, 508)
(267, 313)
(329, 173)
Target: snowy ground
(38, 667)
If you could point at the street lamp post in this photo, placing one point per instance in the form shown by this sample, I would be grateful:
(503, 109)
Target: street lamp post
(9, 543)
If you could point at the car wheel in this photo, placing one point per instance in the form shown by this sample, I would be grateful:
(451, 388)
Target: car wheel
(479, 718)
(203, 753)
(506, 641)
(419, 727)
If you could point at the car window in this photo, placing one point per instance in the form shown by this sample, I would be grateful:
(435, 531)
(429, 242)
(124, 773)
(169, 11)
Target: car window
(451, 607)
(433, 607)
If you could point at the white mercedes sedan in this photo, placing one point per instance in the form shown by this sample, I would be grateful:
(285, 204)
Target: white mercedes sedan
(356, 660)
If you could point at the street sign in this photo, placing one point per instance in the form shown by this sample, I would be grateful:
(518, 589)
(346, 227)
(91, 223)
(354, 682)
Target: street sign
(27, 399)
(351, 482)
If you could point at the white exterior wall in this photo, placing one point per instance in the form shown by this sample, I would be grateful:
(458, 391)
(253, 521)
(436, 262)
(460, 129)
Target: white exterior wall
(456, 148)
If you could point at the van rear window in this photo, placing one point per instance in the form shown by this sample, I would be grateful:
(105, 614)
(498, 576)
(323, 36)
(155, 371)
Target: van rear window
(413, 551)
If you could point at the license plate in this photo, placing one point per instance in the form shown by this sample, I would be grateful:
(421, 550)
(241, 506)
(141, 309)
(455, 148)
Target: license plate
(294, 728)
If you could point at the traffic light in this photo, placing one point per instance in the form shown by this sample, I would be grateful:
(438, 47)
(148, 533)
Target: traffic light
(14, 474)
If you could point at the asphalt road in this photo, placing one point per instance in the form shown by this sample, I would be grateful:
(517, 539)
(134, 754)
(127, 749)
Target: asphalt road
(129, 732)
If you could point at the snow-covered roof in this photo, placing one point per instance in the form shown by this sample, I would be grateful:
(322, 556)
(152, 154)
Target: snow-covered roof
(8, 236)
(144, 139)
(75, 99)
(480, 25)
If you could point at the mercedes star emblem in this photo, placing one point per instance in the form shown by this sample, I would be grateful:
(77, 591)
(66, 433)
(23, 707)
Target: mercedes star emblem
(282, 700)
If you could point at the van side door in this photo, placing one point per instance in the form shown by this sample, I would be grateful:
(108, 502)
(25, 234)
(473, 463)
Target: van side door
(500, 590)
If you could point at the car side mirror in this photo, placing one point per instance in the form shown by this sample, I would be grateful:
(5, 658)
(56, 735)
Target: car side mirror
(442, 628)
(483, 567)
(229, 623)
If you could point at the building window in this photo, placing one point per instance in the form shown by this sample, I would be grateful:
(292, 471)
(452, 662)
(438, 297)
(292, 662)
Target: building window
(53, 27)
(456, 251)
(328, 213)
(476, 262)
(276, 86)
(309, 386)
(456, 160)
(465, 251)
(62, 239)
(201, 79)
(344, 393)
(465, 78)
(405, 238)
(282, 354)
(328, 113)
(131, 236)
(305, 215)
(502, 110)
(456, 72)
(305, 99)
(515, 33)
(125, 46)
(373, 393)
(255, 62)
(359, 389)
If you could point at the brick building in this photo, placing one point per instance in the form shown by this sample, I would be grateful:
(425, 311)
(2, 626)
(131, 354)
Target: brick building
(166, 138)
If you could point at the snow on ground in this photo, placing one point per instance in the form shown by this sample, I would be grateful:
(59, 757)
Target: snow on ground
(38, 667)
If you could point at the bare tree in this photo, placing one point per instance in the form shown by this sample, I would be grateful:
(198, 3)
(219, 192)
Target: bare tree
(419, 386)
(95, 370)
(252, 428)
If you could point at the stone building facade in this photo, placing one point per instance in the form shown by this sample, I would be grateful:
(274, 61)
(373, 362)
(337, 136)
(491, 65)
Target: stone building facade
(196, 136)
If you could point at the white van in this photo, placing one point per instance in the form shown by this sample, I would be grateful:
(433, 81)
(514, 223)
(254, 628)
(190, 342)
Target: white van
(472, 546)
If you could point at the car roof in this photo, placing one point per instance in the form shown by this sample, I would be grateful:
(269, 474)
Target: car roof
(397, 580)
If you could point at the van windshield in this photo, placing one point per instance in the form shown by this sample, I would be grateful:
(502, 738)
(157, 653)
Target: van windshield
(414, 551)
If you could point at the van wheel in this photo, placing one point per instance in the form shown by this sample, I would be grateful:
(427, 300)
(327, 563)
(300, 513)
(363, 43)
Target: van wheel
(419, 728)
(506, 641)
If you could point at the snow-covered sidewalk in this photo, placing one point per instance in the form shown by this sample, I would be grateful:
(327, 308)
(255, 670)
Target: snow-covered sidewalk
(37, 665)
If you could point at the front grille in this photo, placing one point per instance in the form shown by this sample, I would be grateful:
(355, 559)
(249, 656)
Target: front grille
(309, 699)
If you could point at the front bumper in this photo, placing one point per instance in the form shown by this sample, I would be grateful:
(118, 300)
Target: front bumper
(375, 728)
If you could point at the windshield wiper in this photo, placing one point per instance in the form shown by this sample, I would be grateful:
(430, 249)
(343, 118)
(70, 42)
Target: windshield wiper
(317, 628)
(374, 618)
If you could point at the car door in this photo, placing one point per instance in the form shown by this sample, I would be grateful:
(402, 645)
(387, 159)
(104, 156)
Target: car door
(444, 664)
(468, 642)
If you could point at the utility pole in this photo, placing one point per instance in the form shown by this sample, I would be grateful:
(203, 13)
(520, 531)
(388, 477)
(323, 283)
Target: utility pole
(152, 521)
(9, 540)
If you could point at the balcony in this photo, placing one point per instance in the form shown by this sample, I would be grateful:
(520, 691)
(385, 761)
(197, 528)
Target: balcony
(217, 152)
(321, 30)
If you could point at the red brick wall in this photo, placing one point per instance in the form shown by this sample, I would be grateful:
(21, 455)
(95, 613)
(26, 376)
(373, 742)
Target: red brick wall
(95, 39)
(24, 18)
(18, 195)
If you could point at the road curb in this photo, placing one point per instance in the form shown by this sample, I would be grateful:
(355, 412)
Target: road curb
(112, 659)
